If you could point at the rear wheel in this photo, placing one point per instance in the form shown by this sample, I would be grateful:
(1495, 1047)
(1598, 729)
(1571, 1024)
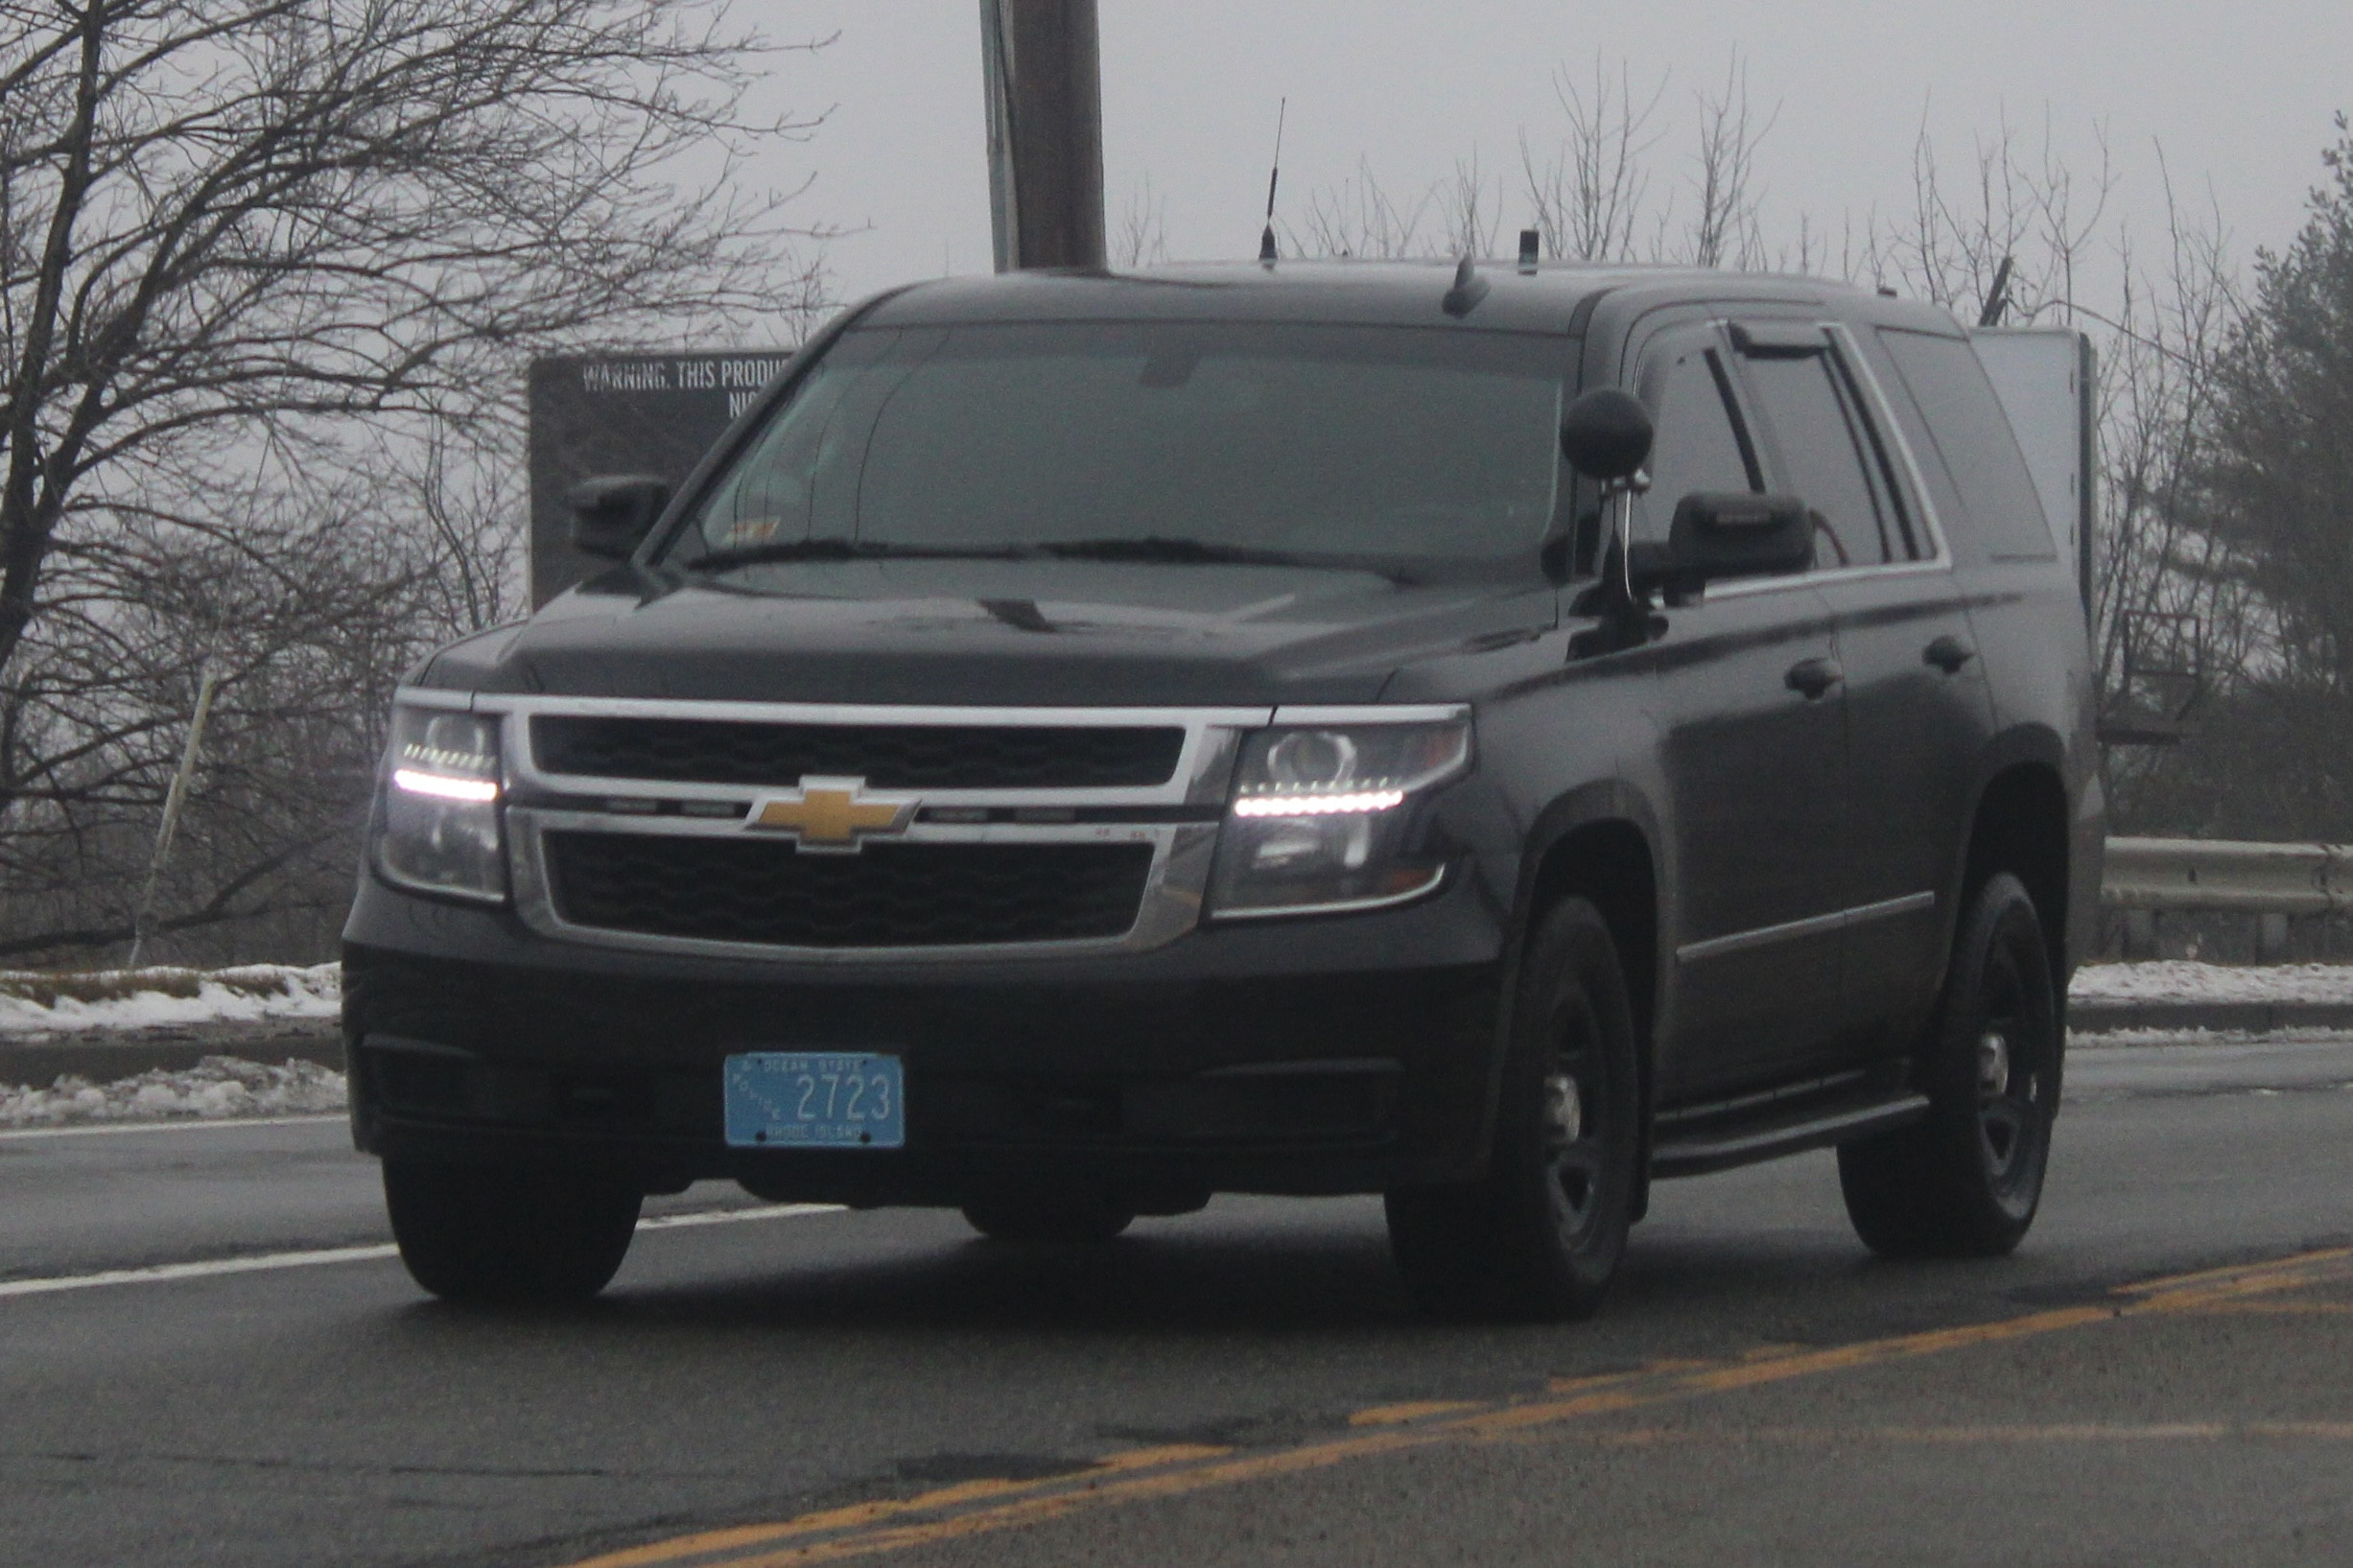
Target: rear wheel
(1541, 1235)
(1966, 1181)
(1060, 1220)
(488, 1233)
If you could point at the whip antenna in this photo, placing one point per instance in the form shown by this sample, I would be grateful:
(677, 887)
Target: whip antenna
(1274, 175)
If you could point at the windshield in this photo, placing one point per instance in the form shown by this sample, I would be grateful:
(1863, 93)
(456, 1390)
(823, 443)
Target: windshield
(1183, 442)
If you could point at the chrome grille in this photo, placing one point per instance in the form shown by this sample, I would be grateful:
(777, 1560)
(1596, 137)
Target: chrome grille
(735, 890)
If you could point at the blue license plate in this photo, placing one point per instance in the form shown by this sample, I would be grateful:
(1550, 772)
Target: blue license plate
(814, 1100)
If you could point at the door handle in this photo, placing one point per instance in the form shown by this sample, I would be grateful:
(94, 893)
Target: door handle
(1813, 676)
(1949, 653)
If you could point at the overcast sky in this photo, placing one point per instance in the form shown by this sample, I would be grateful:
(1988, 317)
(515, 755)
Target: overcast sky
(2240, 96)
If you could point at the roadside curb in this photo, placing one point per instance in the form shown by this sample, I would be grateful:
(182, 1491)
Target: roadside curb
(2100, 1017)
(38, 1064)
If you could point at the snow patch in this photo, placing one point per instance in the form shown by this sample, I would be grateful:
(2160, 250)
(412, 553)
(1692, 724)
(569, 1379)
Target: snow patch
(220, 1089)
(40, 1004)
(2174, 980)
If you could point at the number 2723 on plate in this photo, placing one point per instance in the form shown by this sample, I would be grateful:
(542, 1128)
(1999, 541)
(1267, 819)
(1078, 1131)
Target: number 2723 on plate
(816, 1100)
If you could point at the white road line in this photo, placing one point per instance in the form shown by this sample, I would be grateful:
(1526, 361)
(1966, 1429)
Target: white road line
(165, 1272)
(90, 1129)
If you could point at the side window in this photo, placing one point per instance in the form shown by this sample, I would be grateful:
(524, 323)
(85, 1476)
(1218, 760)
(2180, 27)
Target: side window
(1702, 443)
(1828, 457)
(1970, 436)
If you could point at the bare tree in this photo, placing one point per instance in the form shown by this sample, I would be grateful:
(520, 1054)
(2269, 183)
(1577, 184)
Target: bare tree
(1592, 196)
(1470, 222)
(1724, 231)
(2026, 207)
(1142, 235)
(1358, 217)
(266, 264)
(1588, 195)
(2157, 391)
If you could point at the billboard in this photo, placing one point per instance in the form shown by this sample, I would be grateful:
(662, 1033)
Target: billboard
(623, 413)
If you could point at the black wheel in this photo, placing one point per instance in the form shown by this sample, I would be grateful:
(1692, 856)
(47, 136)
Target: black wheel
(1964, 1181)
(1051, 1220)
(498, 1234)
(1541, 1235)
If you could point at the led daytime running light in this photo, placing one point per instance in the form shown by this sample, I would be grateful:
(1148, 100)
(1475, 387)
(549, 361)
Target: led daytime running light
(1357, 803)
(481, 791)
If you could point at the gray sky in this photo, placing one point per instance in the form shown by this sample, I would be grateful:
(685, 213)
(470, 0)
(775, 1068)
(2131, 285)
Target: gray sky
(2241, 97)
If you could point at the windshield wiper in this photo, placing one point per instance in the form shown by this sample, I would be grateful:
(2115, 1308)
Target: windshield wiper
(848, 549)
(1159, 547)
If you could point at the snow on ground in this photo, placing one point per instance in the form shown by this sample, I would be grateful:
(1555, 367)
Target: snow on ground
(2181, 981)
(47, 1004)
(220, 1089)
(35, 1005)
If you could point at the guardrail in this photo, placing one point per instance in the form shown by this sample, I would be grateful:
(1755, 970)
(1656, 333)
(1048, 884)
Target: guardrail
(2157, 873)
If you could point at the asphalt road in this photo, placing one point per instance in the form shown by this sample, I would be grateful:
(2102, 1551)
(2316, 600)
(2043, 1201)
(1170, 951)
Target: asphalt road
(1243, 1386)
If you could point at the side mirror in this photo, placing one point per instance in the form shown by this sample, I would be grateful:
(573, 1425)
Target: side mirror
(1735, 533)
(1606, 435)
(611, 516)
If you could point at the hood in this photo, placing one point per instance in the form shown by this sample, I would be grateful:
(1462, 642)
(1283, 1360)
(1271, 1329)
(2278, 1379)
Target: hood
(1013, 633)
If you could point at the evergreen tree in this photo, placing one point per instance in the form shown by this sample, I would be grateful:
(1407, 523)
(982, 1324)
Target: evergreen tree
(2276, 502)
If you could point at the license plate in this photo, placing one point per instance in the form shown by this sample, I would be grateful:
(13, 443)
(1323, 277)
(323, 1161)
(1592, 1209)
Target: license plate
(814, 1100)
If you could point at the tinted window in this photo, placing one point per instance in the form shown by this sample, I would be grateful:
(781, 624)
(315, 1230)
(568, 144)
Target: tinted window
(1701, 442)
(1934, 476)
(1822, 449)
(1972, 437)
(1345, 441)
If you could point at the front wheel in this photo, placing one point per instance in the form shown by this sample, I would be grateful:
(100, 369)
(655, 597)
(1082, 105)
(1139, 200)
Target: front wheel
(1542, 1236)
(512, 1236)
(1966, 1181)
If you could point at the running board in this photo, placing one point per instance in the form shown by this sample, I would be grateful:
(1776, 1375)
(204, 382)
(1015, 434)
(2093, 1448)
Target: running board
(1696, 1154)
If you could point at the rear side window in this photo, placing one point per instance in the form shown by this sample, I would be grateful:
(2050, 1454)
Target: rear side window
(1820, 442)
(1970, 437)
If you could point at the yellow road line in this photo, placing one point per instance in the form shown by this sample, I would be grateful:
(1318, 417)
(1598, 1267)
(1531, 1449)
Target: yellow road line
(2290, 1309)
(1420, 1409)
(1641, 1437)
(855, 1514)
(2238, 1271)
(865, 1530)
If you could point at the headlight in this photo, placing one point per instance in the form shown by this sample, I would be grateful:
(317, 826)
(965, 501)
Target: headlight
(438, 828)
(1321, 816)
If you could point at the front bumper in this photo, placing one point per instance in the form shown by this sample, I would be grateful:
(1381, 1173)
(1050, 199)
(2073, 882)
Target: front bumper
(1345, 1054)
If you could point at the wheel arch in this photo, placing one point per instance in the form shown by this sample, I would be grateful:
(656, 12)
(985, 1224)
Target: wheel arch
(2021, 823)
(1601, 843)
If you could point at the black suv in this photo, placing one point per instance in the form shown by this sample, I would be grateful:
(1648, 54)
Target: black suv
(1081, 744)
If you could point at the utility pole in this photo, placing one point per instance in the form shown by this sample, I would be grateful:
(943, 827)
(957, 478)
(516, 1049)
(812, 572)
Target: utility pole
(173, 799)
(1041, 66)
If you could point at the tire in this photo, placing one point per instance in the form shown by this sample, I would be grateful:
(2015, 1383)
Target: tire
(1541, 1235)
(495, 1234)
(1966, 1181)
(1048, 1221)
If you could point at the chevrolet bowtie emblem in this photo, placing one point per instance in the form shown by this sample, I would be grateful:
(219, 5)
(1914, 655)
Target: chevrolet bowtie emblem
(832, 813)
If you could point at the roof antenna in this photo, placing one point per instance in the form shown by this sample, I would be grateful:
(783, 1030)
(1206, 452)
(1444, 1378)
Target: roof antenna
(1468, 289)
(1266, 237)
(1997, 297)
